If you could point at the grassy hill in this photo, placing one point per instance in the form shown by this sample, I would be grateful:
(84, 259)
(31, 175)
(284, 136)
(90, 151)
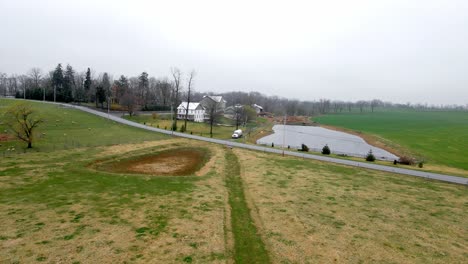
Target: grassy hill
(70, 128)
(439, 137)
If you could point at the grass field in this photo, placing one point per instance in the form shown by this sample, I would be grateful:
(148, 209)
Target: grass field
(223, 131)
(314, 212)
(236, 206)
(439, 138)
(69, 128)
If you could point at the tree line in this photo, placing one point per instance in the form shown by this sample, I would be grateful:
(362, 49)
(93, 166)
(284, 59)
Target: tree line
(148, 93)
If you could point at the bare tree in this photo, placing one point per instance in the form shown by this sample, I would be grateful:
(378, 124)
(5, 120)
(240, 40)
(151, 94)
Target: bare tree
(13, 84)
(36, 75)
(176, 75)
(361, 104)
(375, 103)
(189, 89)
(21, 120)
(129, 101)
(213, 110)
(238, 114)
(164, 90)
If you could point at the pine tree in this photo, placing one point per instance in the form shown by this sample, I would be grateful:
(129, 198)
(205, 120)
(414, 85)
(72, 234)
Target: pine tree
(68, 84)
(143, 87)
(370, 156)
(100, 96)
(326, 150)
(122, 87)
(107, 87)
(57, 81)
(87, 84)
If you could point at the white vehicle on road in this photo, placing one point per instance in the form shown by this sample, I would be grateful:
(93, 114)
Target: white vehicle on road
(237, 134)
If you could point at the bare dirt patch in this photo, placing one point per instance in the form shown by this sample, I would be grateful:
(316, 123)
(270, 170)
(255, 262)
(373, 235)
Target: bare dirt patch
(174, 162)
(6, 137)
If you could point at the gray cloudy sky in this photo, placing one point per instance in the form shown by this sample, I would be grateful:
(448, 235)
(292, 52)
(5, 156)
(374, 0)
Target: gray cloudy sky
(402, 51)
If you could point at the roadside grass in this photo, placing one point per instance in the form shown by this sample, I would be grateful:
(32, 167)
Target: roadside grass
(252, 131)
(318, 212)
(67, 128)
(248, 245)
(54, 208)
(438, 137)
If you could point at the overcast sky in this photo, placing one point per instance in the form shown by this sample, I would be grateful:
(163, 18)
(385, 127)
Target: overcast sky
(400, 51)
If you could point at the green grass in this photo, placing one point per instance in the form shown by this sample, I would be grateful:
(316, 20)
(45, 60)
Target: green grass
(248, 245)
(70, 128)
(55, 197)
(439, 137)
(223, 131)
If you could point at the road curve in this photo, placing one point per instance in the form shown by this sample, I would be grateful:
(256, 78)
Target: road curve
(422, 174)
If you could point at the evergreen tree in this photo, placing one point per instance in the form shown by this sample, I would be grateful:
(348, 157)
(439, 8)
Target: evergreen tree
(370, 156)
(87, 84)
(143, 87)
(57, 81)
(68, 84)
(326, 150)
(107, 87)
(100, 95)
(122, 87)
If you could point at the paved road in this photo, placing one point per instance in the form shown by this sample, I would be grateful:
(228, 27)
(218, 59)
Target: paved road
(427, 175)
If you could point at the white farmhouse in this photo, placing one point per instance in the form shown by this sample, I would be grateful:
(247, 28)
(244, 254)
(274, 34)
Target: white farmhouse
(195, 112)
(209, 100)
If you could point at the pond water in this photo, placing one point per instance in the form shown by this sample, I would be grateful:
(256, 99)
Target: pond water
(317, 137)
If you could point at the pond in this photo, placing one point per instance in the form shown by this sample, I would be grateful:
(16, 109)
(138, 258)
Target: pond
(317, 137)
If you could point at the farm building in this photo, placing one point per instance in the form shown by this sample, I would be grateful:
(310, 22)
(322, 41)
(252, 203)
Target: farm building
(210, 99)
(257, 108)
(196, 112)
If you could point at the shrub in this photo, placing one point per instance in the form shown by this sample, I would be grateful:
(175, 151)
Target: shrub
(326, 150)
(154, 116)
(182, 128)
(420, 164)
(407, 160)
(370, 156)
(272, 144)
(174, 126)
(304, 147)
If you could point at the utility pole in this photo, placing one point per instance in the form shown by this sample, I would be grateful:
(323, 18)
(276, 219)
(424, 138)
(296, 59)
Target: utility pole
(284, 132)
(172, 119)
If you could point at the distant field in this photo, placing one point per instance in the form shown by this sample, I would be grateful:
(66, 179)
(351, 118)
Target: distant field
(439, 138)
(70, 128)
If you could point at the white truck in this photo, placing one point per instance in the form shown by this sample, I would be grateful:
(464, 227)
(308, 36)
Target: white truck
(237, 133)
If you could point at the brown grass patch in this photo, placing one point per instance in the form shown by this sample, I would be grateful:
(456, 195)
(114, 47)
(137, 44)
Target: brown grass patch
(124, 148)
(174, 162)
